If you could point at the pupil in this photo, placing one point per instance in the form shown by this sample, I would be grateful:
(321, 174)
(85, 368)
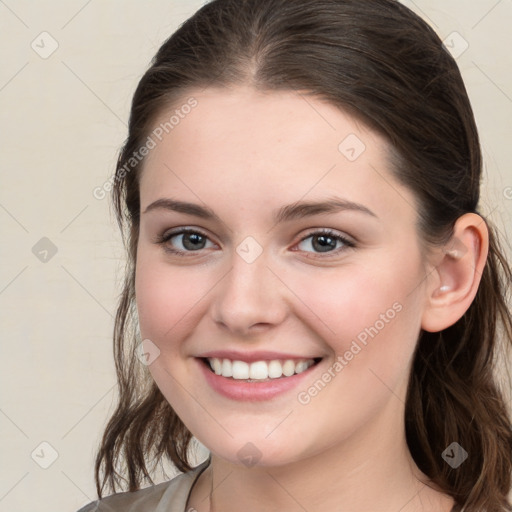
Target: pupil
(325, 242)
(192, 238)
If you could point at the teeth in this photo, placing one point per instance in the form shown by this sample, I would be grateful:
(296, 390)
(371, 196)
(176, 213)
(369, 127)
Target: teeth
(288, 368)
(240, 370)
(275, 369)
(259, 370)
(301, 366)
(216, 366)
(226, 368)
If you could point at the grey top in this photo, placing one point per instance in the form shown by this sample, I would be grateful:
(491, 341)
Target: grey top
(171, 496)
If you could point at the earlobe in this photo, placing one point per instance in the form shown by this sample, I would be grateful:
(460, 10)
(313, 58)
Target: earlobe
(456, 277)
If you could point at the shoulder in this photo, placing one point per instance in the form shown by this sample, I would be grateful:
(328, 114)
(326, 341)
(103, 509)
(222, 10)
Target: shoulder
(168, 496)
(148, 497)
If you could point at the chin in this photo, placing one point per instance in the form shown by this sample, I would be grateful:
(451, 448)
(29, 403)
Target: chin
(258, 452)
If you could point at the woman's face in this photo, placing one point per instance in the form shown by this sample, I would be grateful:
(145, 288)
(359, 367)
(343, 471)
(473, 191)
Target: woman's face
(258, 282)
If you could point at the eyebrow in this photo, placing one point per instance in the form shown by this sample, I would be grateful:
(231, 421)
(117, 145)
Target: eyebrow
(286, 213)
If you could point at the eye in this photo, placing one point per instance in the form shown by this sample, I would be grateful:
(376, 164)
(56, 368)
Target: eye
(325, 241)
(188, 240)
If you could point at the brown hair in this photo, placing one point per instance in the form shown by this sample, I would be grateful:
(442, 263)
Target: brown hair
(379, 61)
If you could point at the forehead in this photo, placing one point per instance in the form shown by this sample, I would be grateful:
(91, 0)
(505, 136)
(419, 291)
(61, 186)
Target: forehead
(268, 147)
(261, 119)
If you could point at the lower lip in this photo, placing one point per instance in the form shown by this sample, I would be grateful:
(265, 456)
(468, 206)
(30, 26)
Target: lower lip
(236, 389)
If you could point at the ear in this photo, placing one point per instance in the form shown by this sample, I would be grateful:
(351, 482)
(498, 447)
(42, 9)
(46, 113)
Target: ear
(454, 281)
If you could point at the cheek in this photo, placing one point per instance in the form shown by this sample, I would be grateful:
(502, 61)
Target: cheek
(168, 305)
(373, 320)
(372, 313)
(166, 298)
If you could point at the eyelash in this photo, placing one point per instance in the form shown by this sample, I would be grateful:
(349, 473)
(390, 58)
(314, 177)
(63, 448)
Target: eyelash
(163, 238)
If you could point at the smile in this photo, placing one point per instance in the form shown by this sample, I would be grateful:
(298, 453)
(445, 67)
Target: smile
(259, 370)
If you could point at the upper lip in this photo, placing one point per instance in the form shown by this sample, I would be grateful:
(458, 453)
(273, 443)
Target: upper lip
(250, 357)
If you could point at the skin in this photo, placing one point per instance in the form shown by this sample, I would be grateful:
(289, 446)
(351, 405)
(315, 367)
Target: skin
(243, 154)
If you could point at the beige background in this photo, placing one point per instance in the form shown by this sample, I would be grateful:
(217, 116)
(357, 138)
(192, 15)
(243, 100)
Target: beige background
(63, 119)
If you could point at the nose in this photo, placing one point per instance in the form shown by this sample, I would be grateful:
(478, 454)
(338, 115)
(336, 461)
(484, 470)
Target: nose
(251, 298)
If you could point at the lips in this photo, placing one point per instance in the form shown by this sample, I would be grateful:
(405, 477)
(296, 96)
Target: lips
(242, 387)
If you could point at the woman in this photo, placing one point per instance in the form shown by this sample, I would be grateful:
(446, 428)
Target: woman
(318, 297)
